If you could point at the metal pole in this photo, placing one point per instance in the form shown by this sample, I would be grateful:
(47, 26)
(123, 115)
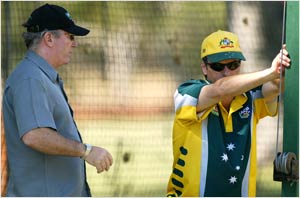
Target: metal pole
(291, 95)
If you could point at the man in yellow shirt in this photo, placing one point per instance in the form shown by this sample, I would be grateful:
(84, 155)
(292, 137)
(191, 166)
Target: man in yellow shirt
(214, 132)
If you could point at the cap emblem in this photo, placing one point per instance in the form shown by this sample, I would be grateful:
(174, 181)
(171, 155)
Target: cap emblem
(226, 42)
(69, 16)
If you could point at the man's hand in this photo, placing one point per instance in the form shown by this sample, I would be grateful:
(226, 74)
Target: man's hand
(100, 158)
(282, 57)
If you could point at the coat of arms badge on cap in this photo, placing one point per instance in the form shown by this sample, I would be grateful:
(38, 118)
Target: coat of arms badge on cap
(221, 45)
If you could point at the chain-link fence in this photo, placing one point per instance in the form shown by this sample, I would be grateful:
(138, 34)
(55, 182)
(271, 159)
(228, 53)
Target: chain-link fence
(123, 75)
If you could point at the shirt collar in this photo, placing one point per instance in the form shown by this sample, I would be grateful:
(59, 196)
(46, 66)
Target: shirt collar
(42, 64)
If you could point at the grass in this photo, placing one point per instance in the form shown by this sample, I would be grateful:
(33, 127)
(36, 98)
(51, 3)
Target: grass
(142, 152)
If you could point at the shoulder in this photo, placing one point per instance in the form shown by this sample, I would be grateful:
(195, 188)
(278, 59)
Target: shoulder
(191, 87)
(24, 71)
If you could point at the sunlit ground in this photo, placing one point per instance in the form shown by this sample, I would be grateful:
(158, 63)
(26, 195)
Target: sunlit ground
(142, 152)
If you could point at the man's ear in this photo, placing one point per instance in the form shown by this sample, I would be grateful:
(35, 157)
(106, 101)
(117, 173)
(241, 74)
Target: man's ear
(204, 69)
(48, 39)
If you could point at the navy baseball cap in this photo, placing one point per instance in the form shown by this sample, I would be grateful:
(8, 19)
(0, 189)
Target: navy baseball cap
(53, 17)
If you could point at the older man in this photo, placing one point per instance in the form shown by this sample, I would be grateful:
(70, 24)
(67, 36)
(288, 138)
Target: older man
(46, 156)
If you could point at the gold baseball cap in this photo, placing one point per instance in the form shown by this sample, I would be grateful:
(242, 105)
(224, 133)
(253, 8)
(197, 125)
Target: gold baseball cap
(221, 45)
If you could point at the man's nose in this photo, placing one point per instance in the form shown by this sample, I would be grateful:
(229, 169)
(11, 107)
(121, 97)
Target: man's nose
(74, 44)
(226, 71)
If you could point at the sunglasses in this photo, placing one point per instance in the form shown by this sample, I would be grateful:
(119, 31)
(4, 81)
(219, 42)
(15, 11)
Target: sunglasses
(71, 36)
(220, 67)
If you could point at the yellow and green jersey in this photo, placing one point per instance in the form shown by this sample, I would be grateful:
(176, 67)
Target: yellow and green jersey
(215, 151)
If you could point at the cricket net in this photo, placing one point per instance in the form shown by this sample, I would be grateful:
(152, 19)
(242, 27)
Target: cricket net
(123, 75)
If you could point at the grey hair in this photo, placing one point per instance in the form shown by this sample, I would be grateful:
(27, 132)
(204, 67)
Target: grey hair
(32, 39)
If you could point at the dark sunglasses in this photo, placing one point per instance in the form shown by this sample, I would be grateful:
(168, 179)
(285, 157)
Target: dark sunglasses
(219, 66)
(71, 36)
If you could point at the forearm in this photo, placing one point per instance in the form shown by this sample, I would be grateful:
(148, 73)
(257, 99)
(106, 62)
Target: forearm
(232, 86)
(238, 84)
(48, 141)
(235, 85)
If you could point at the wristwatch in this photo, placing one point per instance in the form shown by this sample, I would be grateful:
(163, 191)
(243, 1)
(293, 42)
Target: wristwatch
(88, 149)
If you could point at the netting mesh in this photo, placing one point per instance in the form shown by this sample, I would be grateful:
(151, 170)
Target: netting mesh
(123, 75)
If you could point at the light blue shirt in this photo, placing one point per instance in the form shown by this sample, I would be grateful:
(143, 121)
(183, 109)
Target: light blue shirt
(33, 99)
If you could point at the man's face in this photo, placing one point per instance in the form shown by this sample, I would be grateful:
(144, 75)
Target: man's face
(63, 47)
(222, 69)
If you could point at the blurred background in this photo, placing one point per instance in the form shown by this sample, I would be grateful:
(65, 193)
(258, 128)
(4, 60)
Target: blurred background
(123, 75)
